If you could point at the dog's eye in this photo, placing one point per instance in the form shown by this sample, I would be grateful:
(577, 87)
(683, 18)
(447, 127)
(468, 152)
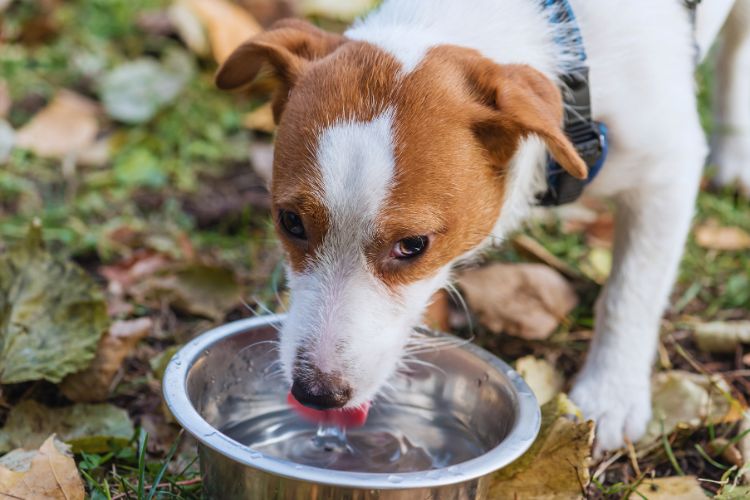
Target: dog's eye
(409, 247)
(292, 224)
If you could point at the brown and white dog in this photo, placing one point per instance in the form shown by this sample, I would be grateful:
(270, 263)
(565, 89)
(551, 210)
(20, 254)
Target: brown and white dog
(421, 135)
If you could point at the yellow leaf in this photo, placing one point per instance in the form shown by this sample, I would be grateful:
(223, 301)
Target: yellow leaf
(668, 488)
(557, 464)
(722, 238)
(52, 474)
(226, 24)
(542, 377)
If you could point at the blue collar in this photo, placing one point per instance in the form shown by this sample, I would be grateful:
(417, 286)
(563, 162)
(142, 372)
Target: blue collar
(588, 137)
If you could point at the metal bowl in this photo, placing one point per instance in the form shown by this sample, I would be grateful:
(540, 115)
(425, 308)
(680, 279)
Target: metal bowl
(207, 376)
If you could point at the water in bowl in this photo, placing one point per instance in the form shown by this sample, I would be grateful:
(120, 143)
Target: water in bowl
(397, 438)
(393, 440)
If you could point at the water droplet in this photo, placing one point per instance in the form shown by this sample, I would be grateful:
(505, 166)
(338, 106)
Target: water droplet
(298, 467)
(395, 479)
(255, 455)
(209, 434)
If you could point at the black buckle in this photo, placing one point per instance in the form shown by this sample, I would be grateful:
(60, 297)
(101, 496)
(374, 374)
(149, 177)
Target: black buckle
(587, 136)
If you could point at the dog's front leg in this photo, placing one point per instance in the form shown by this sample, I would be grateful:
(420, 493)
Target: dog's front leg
(613, 388)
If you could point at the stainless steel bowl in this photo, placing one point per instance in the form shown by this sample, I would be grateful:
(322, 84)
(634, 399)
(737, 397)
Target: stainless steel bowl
(212, 370)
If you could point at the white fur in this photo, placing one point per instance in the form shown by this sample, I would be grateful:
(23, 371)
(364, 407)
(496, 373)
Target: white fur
(731, 141)
(641, 58)
(344, 318)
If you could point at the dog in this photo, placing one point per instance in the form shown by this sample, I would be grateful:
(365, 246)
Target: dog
(421, 135)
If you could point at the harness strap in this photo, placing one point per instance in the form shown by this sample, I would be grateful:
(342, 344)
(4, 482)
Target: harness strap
(588, 136)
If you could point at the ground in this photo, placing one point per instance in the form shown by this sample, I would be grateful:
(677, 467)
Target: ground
(148, 198)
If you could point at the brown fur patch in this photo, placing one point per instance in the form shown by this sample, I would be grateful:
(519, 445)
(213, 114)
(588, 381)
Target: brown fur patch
(459, 119)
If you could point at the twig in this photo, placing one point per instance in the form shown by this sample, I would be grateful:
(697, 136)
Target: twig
(186, 482)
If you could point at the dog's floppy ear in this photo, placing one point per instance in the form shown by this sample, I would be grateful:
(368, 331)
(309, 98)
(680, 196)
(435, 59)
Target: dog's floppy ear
(287, 47)
(515, 101)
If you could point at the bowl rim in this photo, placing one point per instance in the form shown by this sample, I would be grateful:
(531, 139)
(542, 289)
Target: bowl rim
(174, 388)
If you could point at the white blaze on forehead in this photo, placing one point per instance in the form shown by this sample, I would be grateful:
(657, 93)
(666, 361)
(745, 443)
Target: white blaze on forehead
(342, 318)
(357, 164)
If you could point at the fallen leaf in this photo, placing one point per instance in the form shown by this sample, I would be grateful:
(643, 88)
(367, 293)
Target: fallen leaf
(123, 275)
(722, 238)
(189, 27)
(733, 492)
(52, 314)
(557, 464)
(598, 264)
(726, 449)
(93, 428)
(227, 25)
(67, 126)
(721, 336)
(50, 474)
(668, 488)
(524, 300)
(260, 119)
(199, 289)
(684, 400)
(542, 377)
(94, 383)
(135, 91)
(336, 9)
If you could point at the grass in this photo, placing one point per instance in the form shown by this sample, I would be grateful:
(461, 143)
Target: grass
(159, 169)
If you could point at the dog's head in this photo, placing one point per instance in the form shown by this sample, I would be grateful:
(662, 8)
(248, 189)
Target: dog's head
(382, 180)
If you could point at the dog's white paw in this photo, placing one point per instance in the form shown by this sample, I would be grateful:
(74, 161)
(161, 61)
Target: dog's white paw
(732, 156)
(620, 406)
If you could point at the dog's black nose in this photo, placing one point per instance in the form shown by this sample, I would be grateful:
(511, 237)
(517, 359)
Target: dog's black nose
(321, 391)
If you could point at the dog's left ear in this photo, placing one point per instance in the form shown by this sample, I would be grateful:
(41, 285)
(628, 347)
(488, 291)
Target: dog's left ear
(513, 101)
(287, 47)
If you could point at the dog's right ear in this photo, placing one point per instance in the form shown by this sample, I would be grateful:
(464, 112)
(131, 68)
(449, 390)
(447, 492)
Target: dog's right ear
(287, 47)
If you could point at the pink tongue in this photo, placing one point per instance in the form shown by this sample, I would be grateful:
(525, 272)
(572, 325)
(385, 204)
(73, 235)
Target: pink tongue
(347, 417)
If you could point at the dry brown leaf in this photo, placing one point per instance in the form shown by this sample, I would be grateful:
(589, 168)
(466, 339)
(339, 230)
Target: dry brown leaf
(722, 238)
(67, 126)
(94, 383)
(227, 25)
(557, 464)
(545, 381)
(122, 276)
(685, 400)
(52, 474)
(721, 336)
(260, 119)
(524, 300)
(669, 488)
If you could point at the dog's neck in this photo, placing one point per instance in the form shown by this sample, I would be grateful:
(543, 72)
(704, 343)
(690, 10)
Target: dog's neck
(506, 31)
